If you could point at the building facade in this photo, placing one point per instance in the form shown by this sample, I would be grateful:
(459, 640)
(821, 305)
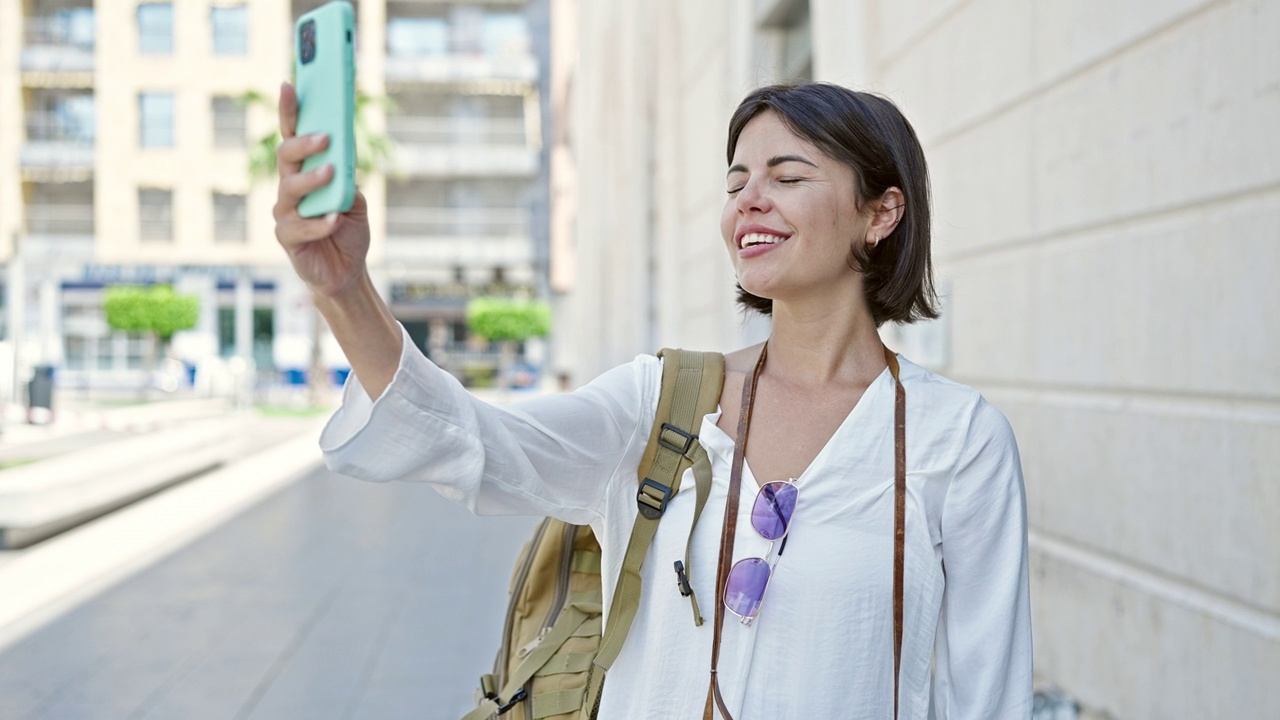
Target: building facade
(125, 160)
(1106, 212)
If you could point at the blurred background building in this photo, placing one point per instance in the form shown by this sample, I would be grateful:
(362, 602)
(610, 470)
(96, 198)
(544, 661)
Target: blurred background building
(1106, 181)
(124, 155)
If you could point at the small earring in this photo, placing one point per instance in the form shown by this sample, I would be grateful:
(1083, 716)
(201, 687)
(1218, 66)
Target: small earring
(876, 241)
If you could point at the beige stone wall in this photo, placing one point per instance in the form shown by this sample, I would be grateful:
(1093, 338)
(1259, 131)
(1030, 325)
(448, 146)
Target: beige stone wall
(653, 88)
(1106, 181)
(1107, 184)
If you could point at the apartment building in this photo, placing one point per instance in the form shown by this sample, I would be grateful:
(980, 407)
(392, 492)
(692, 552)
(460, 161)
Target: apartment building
(124, 153)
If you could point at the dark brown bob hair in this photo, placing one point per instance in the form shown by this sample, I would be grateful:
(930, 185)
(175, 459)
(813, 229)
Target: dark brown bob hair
(869, 134)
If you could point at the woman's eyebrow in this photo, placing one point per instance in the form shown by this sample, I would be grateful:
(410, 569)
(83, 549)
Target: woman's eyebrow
(774, 162)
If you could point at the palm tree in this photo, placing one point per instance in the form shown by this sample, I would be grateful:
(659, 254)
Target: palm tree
(373, 150)
(373, 154)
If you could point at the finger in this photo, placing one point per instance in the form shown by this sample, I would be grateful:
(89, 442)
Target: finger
(293, 187)
(290, 153)
(298, 231)
(288, 111)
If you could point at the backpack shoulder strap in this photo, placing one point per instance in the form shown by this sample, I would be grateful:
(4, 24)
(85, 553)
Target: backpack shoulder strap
(691, 386)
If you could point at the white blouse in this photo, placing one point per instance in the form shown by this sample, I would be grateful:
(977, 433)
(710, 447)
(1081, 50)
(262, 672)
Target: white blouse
(822, 646)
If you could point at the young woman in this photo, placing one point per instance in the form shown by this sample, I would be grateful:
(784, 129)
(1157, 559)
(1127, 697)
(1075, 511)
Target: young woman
(826, 222)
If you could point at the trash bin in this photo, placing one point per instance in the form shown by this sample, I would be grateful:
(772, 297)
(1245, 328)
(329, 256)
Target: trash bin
(40, 395)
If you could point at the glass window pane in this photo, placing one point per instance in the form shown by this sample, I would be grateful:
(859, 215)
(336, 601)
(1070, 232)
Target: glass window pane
(135, 351)
(230, 222)
(155, 119)
(228, 122)
(417, 37)
(106, 353)
(226, 331)
(155, 215)
(505, 34)
(155, 28)
(77, 352)
(230, 30)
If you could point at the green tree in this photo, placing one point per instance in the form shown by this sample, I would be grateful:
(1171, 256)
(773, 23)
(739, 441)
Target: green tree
(156, 311)
(373, 150)
(508, 321)
(373, 154)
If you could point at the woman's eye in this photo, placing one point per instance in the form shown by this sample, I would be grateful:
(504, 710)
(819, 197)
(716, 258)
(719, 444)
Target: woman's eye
(790, 180)
(735, 191)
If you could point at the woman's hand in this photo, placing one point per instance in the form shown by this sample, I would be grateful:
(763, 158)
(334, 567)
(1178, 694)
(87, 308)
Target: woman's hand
(328, 252)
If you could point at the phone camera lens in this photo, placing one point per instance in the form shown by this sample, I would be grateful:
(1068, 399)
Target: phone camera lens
(307, 41)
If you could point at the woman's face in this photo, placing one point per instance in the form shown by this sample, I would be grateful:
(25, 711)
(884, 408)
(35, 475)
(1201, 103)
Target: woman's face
(791, 216)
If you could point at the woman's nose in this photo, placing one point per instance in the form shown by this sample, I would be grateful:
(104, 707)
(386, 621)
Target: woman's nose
(752, 199)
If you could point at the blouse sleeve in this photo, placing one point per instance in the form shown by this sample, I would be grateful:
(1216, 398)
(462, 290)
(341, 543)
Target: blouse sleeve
(983, 645)
(551, 455)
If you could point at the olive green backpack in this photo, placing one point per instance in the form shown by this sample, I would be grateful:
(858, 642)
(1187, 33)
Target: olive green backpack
(554, 651)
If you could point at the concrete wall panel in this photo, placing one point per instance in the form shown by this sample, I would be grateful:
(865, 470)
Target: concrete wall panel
(1160, 305)
(1128, 650)
(900, 25)
(1156, 485)
(1175, 121)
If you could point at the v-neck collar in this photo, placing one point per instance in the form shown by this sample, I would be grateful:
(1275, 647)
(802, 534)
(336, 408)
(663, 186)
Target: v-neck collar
(716, 440)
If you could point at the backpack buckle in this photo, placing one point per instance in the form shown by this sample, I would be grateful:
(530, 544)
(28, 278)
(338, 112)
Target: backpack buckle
(678, 441)
(652, 498)
(682, 580)
(520, 694)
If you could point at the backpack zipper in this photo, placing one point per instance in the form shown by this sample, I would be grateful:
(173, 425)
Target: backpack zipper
(562, 591)
(562, 588)
(500, 664)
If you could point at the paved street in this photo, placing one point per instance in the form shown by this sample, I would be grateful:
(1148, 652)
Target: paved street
(329, 599)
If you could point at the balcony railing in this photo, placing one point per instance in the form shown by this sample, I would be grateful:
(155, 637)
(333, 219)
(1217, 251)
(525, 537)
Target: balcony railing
(457, 222)
(59, 43)
(72, 30)
(60, 127)
(60, 219)
(456, 131)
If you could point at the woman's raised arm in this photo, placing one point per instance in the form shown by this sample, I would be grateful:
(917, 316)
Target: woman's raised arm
(329, 254)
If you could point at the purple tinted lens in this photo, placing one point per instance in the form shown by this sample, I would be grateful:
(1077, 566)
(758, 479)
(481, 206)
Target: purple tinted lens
(745, 588)
(772, 512)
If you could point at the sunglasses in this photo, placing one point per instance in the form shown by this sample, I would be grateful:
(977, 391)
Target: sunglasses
(749, 577)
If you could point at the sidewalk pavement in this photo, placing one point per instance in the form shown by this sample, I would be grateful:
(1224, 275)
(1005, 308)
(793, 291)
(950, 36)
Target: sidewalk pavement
(260, 592)
(268, 588)
(43, 581)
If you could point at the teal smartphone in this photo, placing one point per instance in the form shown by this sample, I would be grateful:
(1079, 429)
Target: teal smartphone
(325, 83)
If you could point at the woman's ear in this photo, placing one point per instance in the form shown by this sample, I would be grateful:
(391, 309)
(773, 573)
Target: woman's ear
(888, 212)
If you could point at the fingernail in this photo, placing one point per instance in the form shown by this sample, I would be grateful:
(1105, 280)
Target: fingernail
(331, 217)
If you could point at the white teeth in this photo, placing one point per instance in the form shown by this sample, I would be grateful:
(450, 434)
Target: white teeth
(760, 239)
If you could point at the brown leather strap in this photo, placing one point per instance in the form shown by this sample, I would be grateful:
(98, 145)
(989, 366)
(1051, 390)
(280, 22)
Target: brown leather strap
(899, 514)
(730, 529)
(714, 699)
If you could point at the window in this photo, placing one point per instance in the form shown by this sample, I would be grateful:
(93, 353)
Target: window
(505, 35)
(229, 218)
(155, 28)
(230, 29)
(155, 120)
(65, 116)
(263, 335)
(155, 215)
(72, 26)
(785, 43)
(417, 37)
(228, 122)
